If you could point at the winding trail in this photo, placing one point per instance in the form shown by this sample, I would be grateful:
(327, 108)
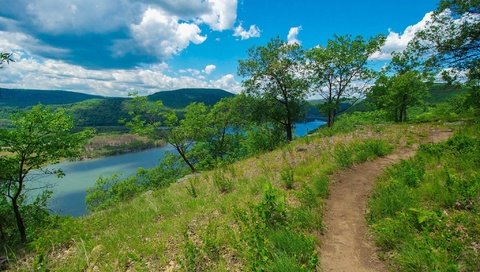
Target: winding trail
(346, 245)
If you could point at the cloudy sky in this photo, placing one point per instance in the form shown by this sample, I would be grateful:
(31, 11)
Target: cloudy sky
(113, 47)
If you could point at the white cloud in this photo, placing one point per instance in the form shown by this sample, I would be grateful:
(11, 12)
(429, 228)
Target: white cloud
(396, 42)
(222, 16)
(79, 16)
(34, 73)
(252, 32)
(292, 36)
(153, 24)
(17, 41)
(162, 35)
(209, 69)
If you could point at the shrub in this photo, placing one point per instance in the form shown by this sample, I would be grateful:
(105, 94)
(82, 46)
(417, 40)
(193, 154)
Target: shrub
(286, 176)
(222, 182)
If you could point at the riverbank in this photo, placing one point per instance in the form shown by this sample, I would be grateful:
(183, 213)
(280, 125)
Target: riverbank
(111, 144)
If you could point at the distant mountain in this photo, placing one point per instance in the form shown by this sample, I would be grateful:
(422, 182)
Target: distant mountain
(178, 99)
(27, 98)
(98, 111)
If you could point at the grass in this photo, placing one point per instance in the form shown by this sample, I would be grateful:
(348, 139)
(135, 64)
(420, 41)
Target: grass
(203, 225)
(424, 211)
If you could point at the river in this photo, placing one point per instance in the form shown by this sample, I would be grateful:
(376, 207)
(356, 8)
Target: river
(69, 192)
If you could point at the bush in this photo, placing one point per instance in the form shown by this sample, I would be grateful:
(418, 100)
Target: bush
(222, 182)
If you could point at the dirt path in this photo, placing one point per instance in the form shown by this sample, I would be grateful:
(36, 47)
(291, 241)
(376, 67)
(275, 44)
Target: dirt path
(345, 243)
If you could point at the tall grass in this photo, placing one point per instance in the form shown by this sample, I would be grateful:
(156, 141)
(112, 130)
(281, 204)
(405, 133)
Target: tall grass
(424, 212)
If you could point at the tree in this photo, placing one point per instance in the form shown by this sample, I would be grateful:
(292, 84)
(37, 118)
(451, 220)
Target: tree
(193, 129)
(396, 94)
(450, 43)
(339, 71)
(39, 136)
(274, 73)
(182, 134)
(5, 57)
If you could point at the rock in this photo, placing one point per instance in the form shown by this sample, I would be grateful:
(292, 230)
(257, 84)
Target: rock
(301, 149)
(187, 177)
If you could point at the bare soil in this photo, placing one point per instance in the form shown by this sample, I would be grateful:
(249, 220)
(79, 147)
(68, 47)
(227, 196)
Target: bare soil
(346, 245)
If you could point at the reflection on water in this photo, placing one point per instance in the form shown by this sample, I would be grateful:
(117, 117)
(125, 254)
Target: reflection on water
(69, 192)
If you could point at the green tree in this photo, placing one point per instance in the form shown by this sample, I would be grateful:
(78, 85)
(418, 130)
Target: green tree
(407, 87)
(39, 136)
(339, 71)
(450, 43)
(184, 133)
(5, 57)
(398, 93)
(147, 118)
(274, 73)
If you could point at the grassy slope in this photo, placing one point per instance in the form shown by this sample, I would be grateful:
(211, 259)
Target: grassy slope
(425, 211)
(171, 229)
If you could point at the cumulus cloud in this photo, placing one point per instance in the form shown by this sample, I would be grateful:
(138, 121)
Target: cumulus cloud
(30, 72)
(159, 28)
(209, 69)
(162, 35)
(396, 42)
(78, 16)
(252, 32)
(17, 41)
(292, 36)
(222, 16)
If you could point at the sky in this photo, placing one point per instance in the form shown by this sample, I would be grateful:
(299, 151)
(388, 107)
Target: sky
(115, 47)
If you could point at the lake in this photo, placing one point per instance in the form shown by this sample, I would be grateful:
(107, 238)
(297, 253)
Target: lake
(69, 192)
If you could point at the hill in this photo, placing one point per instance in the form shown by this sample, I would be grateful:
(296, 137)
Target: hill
(179, 99)
(27, 98)
(98, 111)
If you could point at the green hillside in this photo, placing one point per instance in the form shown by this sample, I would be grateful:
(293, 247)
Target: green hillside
(178, 99)
(97, 111)
(27, 98)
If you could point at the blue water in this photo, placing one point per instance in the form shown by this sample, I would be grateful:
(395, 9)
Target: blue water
(69, 192)
(302, 129)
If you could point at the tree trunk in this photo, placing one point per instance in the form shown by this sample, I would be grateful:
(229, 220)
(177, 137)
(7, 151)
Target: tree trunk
(182, 154)
(19, 219)
(331, 118)
(289, 131)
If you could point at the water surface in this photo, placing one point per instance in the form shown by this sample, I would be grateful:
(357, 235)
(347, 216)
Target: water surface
(69, 192)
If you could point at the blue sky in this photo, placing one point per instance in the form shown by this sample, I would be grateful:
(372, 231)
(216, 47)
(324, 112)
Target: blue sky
(114, 47)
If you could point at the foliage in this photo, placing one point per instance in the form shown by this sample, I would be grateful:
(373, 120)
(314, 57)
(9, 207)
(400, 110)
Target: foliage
(38, 137)
(5, 58)
(424, 211)
(272, 73)
(339, 71)
(110, 191)
(450, 43)
(396, 94)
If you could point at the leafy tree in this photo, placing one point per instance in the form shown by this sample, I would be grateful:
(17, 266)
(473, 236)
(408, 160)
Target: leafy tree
(274, 73)
(398, 93)
(407, 87)
(39, 136)
(182, 134)
(339, 71)
(5, 57)
(451, 43)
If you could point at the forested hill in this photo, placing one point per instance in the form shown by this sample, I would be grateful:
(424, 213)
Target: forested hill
(26, 98)
(98, 111)
(181, 98)
(173, 99)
